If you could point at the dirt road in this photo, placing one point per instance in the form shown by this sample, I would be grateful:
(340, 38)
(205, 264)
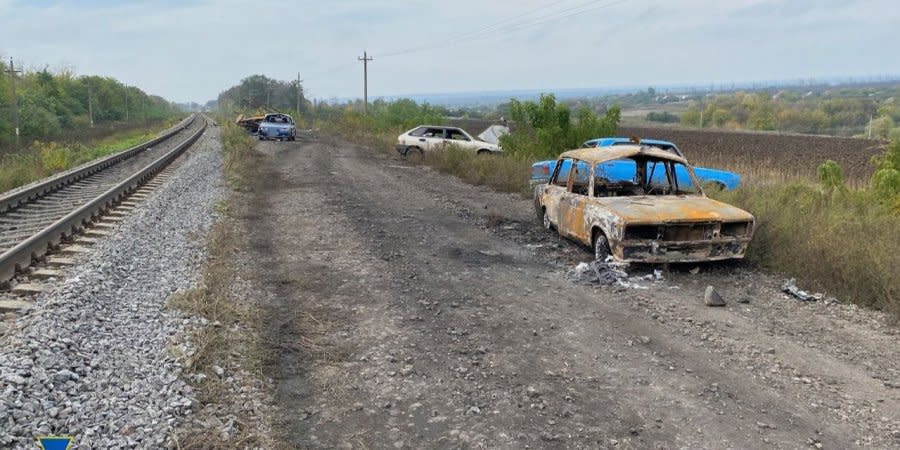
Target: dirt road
(407, 309)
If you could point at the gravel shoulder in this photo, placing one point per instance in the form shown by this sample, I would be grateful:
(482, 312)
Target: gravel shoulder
(100, 356)
(407, 309)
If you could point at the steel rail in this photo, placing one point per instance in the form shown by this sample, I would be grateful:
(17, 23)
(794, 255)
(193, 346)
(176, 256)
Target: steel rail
(23, 254)
(29, 193)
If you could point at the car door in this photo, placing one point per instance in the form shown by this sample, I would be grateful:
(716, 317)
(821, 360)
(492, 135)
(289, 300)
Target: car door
(432, 139)
(573, 202)
(459, 138)
(557, 186)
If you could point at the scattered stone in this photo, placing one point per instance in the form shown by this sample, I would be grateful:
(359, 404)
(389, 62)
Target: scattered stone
(712, 297)
(15, 306)
(101, 349)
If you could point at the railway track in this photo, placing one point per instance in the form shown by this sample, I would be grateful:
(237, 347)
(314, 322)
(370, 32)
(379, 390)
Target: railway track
(36, 218)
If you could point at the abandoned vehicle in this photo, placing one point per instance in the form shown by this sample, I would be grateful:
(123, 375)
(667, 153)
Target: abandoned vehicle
(650, 213)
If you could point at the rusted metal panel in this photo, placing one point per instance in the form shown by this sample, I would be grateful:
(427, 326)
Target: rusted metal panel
(673, 227)
(593, 156)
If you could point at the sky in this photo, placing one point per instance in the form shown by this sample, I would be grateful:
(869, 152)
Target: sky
(190, 50)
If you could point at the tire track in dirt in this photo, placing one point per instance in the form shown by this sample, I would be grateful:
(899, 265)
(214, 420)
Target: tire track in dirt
(398, 321)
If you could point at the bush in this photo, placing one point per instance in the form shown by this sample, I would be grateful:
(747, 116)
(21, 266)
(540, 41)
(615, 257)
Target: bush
(827, 236)
(545, 129)
(499, 172)
(54, 157)
(886, 180)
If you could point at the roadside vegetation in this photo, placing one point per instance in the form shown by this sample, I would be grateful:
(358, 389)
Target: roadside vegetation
(845, 241)
(58, 105)
(43, 159)
(231, 341)
(542, 130)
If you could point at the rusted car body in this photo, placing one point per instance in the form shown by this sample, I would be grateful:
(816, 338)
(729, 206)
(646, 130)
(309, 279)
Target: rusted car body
(650, 216)
(251, 123)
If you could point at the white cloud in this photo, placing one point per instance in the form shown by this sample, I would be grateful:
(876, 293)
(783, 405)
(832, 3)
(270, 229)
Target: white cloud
(193, 50)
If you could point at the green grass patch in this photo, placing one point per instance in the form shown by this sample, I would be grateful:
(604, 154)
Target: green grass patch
(501, 173)
(43, 159)
(846, 243)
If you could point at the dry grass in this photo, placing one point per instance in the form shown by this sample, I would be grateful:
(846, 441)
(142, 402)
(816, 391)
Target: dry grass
(843, 242)
(500, 172)
(233, 338)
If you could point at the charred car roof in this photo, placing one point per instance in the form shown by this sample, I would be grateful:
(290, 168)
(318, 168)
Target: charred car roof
(598, 155)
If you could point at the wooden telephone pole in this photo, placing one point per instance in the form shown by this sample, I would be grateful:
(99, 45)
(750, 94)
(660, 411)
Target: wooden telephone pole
(12, 74)
(298, 93)
(365, 59)
(91, 104)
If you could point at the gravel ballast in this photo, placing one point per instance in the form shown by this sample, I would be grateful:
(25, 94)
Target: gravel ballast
(96, 358)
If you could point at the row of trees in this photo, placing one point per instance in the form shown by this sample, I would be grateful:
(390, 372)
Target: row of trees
(53, 103)
(259, 92)
(857, 114)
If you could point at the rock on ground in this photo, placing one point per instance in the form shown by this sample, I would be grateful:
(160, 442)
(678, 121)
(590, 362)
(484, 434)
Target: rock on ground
(92, 359)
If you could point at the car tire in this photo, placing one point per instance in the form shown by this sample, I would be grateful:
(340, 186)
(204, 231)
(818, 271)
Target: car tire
(601, 246)
(545, 221)
(484, 152)
(414, 153)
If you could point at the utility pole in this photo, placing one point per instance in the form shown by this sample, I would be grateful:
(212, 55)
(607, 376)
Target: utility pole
(91, 104)
(298, 93)
(12, 74)
(365, 60)
(126, 103)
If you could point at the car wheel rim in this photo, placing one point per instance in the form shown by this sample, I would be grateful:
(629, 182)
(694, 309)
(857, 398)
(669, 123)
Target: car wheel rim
(546, 220)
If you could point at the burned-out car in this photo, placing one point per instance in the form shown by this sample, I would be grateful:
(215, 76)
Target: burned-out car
(651, 213)
(277, 126)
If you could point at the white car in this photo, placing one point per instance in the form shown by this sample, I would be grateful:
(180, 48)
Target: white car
(431, 137)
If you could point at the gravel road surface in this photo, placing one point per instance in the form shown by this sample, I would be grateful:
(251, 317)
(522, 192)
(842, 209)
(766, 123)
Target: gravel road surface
(410, 310)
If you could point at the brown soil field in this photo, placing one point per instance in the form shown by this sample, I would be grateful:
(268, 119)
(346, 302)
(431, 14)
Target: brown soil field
(756, 155)
(786, 155)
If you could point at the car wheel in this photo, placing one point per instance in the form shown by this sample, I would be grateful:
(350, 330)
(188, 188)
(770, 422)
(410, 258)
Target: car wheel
(601, 246)
(414, 154)
(484, 152)
(548, 225)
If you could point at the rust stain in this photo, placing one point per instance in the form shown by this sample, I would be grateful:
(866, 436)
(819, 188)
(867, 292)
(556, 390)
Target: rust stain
(667, 227)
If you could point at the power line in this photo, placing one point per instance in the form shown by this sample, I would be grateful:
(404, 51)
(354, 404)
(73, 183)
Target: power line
(509, 25)
(463, 35)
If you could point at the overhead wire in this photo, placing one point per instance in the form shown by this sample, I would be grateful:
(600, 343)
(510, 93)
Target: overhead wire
(509, 25)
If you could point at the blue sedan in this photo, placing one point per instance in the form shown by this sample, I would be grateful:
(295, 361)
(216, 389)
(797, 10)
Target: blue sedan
(540, 171)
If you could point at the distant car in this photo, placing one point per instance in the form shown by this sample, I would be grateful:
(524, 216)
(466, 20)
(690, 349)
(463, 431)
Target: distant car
(721, 179)
(431, 137)
(277, 126)
(649, 214)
